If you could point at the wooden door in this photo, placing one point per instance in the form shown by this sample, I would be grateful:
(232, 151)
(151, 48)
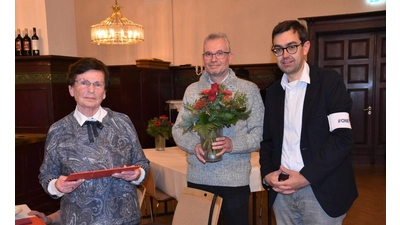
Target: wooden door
(360, 58)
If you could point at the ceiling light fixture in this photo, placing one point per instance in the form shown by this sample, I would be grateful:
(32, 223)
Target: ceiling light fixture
(117, 30)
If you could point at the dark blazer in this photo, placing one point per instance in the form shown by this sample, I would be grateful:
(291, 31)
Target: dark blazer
(326, 155)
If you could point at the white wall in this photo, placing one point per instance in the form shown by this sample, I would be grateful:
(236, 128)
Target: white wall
(54, 21)
(154, 16)
(174, 29)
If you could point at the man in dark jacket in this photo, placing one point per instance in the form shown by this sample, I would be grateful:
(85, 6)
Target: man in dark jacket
(307, 138)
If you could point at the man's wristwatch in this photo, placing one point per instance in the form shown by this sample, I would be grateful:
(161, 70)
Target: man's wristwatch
(266, 184)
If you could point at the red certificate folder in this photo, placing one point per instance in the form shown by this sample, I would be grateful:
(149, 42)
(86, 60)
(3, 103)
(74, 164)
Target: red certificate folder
(23, 221)
(31, 221)
(99, 173)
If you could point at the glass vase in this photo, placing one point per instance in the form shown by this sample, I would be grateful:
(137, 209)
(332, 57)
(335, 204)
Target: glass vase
(210, 155)
(160, 143)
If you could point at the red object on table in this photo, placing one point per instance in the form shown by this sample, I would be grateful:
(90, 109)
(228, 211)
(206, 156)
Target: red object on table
(31, 221)
(23, 221)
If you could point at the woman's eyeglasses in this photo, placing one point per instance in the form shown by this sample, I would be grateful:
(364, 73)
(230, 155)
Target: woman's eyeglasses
(86, 83)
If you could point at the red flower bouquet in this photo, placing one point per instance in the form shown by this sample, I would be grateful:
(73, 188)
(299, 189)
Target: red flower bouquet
(216, 108)
(160, 126)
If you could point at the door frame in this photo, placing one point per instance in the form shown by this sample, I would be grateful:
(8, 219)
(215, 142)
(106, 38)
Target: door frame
(341, 24)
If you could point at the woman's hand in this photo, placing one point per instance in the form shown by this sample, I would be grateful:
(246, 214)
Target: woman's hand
(41, 215)
(67, 186)
(128, 175)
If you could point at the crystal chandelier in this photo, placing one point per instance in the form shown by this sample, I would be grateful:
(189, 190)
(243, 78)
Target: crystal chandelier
(117, 30)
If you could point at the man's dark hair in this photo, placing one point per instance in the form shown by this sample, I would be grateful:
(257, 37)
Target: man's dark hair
(294, 25)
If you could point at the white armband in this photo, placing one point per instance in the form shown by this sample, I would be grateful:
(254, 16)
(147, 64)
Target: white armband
(339, 120)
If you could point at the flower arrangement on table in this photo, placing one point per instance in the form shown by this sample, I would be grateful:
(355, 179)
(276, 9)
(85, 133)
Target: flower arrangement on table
(160, 126)
(216, 108)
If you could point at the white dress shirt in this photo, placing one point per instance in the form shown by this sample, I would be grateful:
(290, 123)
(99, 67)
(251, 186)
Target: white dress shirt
(295, 92)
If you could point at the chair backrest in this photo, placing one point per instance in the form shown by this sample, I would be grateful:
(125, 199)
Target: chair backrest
(197, 207)
(141, 192)
(150, 184)
(152, 190)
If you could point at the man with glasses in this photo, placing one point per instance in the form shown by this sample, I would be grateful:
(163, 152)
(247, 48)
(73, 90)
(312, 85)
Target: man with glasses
(307, 138)
(230, 177)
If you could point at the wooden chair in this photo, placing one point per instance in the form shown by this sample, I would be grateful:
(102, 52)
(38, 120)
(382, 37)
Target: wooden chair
(197, 207)
(141, 192)
(153, 192)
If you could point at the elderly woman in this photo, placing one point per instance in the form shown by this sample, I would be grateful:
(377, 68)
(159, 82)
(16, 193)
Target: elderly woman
(93, 138)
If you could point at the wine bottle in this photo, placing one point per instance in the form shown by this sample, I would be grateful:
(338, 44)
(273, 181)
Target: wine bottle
(27, 44)
(18, 43)
(35, 43)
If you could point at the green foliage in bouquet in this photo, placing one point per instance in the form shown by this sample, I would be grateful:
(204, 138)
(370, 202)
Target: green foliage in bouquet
(216, 108)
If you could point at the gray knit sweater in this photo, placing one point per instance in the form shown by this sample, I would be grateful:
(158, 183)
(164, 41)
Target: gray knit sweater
(234, 169)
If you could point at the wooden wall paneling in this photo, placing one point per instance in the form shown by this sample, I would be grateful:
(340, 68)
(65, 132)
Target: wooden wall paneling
(166, 93)
(156, 90)
(28, 158)
(141, 93)
(166, 90)
(133, 98)
(263, 75)
(124, 94)
(33, 108)
(183, 76)
(63, 102)
(41, 92)
(131, 88)
(114, 95)
(44, 63)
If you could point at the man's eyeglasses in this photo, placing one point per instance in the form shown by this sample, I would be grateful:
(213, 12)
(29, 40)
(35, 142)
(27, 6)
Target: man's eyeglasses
(86, 83)
(291, 49)
(218, 55)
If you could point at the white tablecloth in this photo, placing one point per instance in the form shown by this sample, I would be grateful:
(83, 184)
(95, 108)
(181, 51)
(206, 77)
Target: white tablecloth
(169, 168)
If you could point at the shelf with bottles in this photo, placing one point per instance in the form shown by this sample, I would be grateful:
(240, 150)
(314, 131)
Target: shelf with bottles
(26, 45)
